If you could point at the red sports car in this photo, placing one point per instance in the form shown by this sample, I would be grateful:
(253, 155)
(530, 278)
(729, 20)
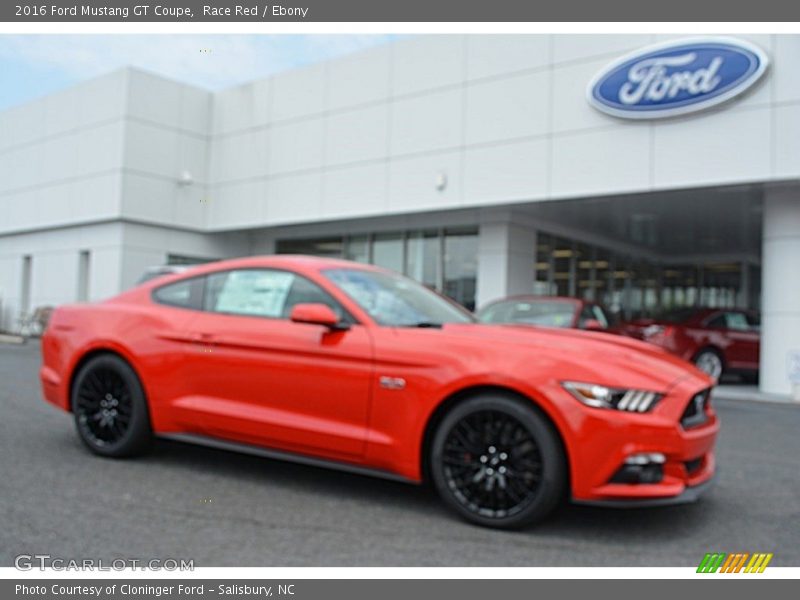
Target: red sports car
(546, 311)
(334, 363)
(715, 340)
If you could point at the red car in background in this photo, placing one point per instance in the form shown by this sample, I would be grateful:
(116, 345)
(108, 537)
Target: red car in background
(716, 340)
(341, 364)
(546, 311)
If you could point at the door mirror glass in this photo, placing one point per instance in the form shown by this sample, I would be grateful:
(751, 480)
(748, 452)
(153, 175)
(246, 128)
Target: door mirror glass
(317, 314)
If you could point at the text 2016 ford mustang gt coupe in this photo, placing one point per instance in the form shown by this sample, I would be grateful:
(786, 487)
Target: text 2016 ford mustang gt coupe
(336, 363)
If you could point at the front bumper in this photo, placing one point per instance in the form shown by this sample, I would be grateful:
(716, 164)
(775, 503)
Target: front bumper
(690, 494)
(604, 439)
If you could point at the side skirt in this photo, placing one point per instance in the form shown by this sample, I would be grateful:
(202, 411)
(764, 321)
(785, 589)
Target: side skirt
(302, 459)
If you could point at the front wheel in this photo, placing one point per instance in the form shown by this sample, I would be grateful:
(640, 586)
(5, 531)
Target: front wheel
(710, 362)
(498, 462)
(110, 409)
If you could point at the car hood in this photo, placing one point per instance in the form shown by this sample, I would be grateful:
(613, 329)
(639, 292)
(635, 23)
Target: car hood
(588, 352)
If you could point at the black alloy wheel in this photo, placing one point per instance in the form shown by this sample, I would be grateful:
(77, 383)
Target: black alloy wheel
(498, 462)
(110, 409)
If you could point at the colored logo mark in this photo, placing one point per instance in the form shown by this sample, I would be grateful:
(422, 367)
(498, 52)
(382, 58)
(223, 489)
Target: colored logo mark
(677, 77)
(737, 562)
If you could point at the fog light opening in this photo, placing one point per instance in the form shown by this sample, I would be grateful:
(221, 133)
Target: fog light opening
(644, 467)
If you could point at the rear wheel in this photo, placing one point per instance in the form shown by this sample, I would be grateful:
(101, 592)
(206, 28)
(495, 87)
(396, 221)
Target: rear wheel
(110, 409)
(498, 462)
(710, 362)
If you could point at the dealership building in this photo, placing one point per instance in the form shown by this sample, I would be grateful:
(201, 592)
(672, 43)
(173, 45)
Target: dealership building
(483, 166)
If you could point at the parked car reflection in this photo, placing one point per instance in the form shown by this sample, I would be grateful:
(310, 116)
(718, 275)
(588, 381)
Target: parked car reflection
(547, 311)
(715, 340)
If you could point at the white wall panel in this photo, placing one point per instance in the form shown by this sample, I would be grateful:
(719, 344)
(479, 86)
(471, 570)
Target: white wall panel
(787, 141)
(508, 172)
(362, 77)
(724, 146)
(357, 135)
(426, 62)
(293, 198)
(298, 93)
(622, 165)
(412, 182)
(508, 108)
(351, 190)
(576, 47)
(296, 146)
(425, 123)
(501, 54)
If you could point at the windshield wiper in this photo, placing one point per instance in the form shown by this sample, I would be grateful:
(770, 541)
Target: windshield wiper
(424, 325)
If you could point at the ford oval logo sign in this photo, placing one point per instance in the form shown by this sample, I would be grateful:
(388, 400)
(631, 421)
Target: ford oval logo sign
(677, 78)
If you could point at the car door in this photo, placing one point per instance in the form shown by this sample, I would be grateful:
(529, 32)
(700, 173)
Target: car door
(743, 341)
(168, 344)
(260, 378)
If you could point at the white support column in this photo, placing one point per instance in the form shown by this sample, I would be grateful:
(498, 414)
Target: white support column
(780, 289)
(506, 260)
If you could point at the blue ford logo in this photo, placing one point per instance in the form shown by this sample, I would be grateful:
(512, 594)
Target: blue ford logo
(677, 78)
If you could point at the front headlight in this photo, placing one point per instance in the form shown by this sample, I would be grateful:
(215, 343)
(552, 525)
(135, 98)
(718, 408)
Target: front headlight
(600, 396)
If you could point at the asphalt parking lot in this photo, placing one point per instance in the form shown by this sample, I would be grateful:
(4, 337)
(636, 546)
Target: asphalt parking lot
(224, 509)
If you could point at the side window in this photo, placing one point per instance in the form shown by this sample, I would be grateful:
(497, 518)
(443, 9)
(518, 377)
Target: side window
(252, 292)
(263, 293)
(737, 321)
(717, 322)
(181, 294)
(304, 291)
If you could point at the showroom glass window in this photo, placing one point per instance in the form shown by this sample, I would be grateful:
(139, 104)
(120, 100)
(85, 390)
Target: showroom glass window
(356, 248)
(443, 260)
(543, 282)
(461, 266)
(423, 258)
(330, 247)
(387, 251)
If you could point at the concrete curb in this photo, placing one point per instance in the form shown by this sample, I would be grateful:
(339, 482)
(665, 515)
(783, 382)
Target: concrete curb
(11, 339)
(751, 394)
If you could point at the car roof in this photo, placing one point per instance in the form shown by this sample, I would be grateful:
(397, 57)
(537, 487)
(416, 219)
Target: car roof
(295, 262)
(533, 298)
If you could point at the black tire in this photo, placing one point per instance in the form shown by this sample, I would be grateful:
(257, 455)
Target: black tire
(750, 377)
(110, 408)
(505, 439)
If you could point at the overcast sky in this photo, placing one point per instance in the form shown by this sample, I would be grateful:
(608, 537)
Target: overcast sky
(35, 65)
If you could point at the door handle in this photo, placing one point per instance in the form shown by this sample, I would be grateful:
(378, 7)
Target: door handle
(204, 342)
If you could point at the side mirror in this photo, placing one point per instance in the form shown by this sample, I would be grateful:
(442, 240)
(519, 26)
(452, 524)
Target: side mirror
(593, 325)
(316, 314)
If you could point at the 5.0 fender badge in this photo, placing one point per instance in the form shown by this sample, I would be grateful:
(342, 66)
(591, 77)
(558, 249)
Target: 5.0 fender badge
(392, 383)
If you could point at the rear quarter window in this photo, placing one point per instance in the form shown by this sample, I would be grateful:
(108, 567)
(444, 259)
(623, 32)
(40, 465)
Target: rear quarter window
(187, 293)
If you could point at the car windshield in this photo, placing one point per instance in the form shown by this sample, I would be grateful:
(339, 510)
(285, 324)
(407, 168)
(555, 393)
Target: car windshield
(396, 301)
(538, 312)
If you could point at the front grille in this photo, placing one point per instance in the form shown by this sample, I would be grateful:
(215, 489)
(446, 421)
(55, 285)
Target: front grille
(696, 413)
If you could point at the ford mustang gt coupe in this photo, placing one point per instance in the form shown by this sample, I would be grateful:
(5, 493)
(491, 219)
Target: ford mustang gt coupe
(340, 364)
